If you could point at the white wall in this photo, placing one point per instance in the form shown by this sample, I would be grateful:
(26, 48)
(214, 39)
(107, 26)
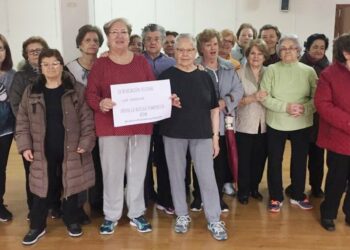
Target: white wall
(58, 20)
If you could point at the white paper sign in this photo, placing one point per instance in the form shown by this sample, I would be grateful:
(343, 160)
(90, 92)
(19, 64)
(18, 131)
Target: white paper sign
(141, 102)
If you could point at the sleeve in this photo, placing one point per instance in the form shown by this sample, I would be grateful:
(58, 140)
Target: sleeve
(16, 91)
(271, 102)
(309, 107)
(326, 107)
(93, 93)
(214, 100)
(87, 126)
(22, 134)
(233, 98)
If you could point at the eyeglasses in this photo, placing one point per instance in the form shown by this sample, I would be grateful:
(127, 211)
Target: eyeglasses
(288, 49)
(227, 41)
(152, 39)
(34, 52)
(47, 65)
(120, 33)
(183, 51)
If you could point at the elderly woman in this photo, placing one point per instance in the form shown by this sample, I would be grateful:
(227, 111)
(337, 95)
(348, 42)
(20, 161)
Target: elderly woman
(88, 41)
(55, 133)
(245, 33)
(135, 44)
(227, 42)
(153, 36)
(270, 34)
(123, 150)
(333, 105)
(314, 56)
(229, 91)
(290, 86)
(29, 73)
(7, 121)
(193, 125)
(251, 126)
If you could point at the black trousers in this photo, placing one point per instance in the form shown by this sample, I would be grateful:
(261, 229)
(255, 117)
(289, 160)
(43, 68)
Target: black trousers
(40, 209)
(338, 177)
(5, 145)
(220, 170)
(26, 165)
(315, 166)
(299, 148)
(164, 197)
(252, 154)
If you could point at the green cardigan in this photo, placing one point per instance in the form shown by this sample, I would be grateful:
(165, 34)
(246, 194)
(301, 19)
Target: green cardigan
(289, 83)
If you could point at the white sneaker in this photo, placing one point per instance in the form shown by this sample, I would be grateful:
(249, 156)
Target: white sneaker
(229, 189)
(182, 223)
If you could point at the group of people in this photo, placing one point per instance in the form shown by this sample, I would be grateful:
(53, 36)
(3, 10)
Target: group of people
(61, 118)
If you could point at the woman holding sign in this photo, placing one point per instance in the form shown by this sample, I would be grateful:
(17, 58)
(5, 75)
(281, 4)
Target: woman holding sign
(122, 149)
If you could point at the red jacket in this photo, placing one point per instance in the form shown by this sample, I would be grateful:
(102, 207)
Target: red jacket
(332, 101)
(103, 74)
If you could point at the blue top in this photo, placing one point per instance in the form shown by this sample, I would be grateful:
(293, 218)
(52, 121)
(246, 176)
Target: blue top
(160, 63)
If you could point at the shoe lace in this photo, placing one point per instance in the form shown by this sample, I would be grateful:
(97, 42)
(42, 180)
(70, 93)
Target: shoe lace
(183, 220)
(218, 227)
(142, 220)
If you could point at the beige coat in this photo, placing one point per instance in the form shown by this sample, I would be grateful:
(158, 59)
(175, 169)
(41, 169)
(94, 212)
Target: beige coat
(77, 169)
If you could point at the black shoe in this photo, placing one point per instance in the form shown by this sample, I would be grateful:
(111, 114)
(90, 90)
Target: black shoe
(224, 207)
(83, 217)
(74, 230)
(317, 193)
(5, 214)
(33, 236)
(56, 213)
(288, 191)
(256, 195)
(196, 205)
(243, 200)
(328, 224)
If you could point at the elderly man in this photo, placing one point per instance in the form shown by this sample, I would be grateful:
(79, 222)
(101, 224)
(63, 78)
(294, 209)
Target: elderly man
(153, 36)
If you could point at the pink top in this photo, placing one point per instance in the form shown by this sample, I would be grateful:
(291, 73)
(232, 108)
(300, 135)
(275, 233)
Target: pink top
(103, 74)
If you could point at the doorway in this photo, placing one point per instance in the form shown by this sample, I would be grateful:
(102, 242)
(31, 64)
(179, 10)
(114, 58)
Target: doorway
(342, 19)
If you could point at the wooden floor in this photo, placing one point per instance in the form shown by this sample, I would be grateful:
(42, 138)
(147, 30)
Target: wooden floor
(249, 227)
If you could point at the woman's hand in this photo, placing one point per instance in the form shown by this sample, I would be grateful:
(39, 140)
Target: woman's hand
(261, 95)
(222, 105)
(80, 150)
(106, 105)
(175, 101)
(295, 109)
(216, 148)
(28, 155)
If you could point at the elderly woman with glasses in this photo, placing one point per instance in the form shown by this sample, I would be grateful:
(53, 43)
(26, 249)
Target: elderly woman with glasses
(227, 42)
(290, 86)
(195, 125)
(29, 73)
(55, 133)
(123, 150)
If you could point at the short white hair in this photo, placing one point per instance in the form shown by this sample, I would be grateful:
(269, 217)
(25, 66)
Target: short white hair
(185, 36)
(291, 37)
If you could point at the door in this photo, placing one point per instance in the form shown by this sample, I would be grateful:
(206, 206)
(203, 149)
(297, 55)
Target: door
(342, 19)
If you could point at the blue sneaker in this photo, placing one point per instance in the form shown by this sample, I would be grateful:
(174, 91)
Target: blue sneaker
(218, 230)
(304, 204)
(107, 227)
(142, 225)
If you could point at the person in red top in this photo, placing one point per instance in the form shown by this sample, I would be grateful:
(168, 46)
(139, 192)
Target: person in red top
(333, 105)
(123, 150)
